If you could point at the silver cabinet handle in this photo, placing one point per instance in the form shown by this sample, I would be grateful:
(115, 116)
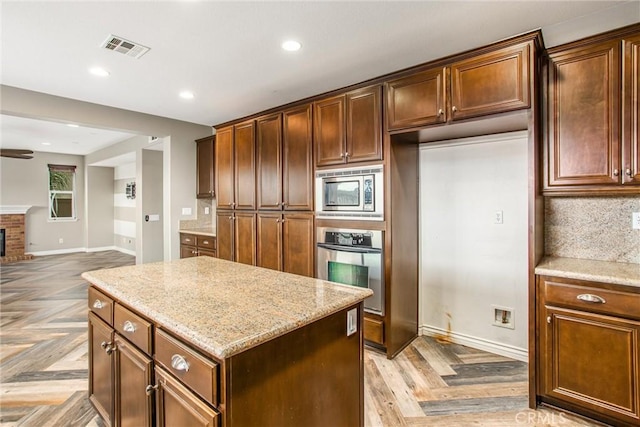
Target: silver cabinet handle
(440, 112)
(129, 326)
(110, 350)
(347, 154)
(105, 344)
(548, 319)
(150, 389)
(454, 109)
(591, 298)
(99, 304)
(179, 363)
(616, 172)
(628, 172)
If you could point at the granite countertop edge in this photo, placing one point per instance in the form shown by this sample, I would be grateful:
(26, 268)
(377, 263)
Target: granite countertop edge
(199, 231)
(252, 339)
(617, 273)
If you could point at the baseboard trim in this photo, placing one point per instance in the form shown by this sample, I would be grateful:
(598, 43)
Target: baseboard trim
(478, 343)
(76, 250)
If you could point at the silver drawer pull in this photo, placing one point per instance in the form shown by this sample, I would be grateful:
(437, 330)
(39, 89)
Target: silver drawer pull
(129, 327)
(179, 363)
(591, 298)
(150, 389)
(99, 304)
(206, 242)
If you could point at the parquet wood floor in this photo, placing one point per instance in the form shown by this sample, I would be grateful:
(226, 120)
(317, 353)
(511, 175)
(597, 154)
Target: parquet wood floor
(43, 362)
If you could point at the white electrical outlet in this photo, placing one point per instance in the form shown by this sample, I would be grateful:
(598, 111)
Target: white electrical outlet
(498, 218)
(352, 321)
(206, 210)
(635, 220)
(61, 240)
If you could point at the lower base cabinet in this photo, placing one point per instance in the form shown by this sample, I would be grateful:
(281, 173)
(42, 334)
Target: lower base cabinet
(589, 350)
(101, 368)
(134, 373)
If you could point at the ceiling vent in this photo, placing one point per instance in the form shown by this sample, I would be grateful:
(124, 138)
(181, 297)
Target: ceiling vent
(124, 46)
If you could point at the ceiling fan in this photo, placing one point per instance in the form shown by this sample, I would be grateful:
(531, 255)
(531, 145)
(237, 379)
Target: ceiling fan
(15, 153)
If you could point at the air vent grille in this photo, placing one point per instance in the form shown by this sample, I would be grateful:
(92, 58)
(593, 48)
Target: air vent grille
(124, 46)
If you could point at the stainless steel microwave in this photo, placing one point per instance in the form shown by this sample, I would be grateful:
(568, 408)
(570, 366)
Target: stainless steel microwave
(350, 193)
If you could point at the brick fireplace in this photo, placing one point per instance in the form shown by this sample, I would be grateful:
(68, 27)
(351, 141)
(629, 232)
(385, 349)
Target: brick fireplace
(12, 221)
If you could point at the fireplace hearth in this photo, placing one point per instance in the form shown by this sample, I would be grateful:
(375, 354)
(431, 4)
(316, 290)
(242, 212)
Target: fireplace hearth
(12, 224)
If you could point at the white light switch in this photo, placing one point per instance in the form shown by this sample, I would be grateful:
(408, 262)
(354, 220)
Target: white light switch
(636, 220)
(498, 218)
(154, 217)
(186, 211)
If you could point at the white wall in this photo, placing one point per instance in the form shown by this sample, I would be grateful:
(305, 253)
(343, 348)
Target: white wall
(124, 209)
(26, 182)
(99, 207)
(150, 175)
(469, 263)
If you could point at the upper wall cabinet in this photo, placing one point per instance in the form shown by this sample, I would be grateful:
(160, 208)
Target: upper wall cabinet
(492, 82)
(205, 161)
(284, 155)
(592, 116)
(348, 127)
(235, 166)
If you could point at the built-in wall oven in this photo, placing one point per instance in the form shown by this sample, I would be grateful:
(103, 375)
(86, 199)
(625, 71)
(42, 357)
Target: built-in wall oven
(353, 257)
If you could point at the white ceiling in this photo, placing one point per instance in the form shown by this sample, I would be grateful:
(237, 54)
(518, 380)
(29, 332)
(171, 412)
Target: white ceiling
(229, 55)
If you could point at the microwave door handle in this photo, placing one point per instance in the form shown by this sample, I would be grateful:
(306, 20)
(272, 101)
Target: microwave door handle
(355, 250)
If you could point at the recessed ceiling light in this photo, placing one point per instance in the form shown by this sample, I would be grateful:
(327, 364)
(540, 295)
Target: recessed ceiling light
(100, 72)
(185, 94)
(73, 125)
(291, 45)
(46, 143)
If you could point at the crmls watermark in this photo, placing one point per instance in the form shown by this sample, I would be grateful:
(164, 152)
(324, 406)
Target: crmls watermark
(541, 418)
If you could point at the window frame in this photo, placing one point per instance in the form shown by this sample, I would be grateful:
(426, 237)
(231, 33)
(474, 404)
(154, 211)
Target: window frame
(52, 193)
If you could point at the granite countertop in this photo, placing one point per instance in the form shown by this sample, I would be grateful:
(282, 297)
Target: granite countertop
(224, 307)
(208, 231)
(619, 273)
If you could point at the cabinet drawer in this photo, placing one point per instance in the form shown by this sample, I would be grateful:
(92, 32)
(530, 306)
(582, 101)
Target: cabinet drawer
(374, 330)
(133, 327)
(188, 239)
(196, 371)
(579, 295)
(101, 305)
(206, 242)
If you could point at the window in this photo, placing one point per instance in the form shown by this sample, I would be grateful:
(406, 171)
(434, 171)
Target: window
(62, 192)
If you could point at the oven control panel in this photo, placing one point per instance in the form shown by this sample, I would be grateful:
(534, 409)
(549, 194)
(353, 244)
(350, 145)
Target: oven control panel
(348, 239)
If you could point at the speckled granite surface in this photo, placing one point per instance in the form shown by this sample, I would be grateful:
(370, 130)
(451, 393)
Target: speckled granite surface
(206, 231)
(220, 306)
(597, 228)
(585, 269)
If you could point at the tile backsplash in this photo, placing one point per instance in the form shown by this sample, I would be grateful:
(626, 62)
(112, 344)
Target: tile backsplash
(203, 220)
(596, 228)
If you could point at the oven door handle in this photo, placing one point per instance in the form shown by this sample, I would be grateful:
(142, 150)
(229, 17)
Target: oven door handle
(353, 249)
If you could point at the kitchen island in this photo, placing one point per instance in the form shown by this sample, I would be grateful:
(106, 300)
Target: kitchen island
(203, 341)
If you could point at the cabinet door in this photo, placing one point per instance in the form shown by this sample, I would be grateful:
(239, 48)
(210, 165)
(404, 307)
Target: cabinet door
(269, 240)
(245, 237)
(417, 100)
(364, 124)
(495, 82)
(583, 140)
(177, 406)
(133, 373)
(631, 99)
(245, 165)
(204, 167)
(297, 185)
(329, 132)
(225, 235)
(224, 168)
(298, 244)
(101, 368)
(592, 361)
(188, 251)
(269, 154)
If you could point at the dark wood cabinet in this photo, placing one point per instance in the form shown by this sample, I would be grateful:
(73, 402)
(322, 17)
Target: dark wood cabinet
(224, 175)
(591, 137)
(348, 127)
(244, 165)
(101, 368)
(133, 374)
(197, 245)
(236, 236)
(205, 173)
(269, 155)
(178, 406)
(495, 80)
(417, 100)
(297, 150)
(589, 349)
(285, 242)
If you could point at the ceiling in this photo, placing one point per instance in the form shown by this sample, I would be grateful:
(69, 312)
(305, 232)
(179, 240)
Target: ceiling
(228, 53)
